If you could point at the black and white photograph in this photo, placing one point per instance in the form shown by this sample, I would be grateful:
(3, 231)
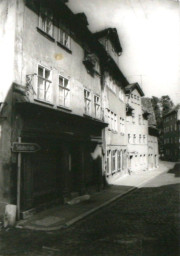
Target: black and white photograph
(89, 127)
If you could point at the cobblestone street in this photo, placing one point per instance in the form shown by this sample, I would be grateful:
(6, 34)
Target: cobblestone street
(144, 222)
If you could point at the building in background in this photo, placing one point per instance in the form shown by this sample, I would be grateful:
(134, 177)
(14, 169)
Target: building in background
(171, 134)
(114, 105)
(152, 138)
(136, 129)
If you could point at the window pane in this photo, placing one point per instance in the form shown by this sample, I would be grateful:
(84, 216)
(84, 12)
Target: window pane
(40, 71)
(61, 34)
(65, 83)
(48, 92)
(61, 81)
(40, 91)
(47, 74)
(61, 96)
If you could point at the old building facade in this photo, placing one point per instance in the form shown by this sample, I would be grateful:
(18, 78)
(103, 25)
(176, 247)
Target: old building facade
(171, 134)
(137, 129)
(66, 108)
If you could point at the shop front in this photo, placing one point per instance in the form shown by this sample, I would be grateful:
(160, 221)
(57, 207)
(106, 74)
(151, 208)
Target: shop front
(65, 164)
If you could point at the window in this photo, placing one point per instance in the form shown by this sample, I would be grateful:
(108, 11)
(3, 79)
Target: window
(64, 92)
(118, 161)
(129, 138)
(115, 122)
(113, 161)
(122, 126)
(44, 84)
(109, 118)
(140, 119)
(46, 20)
(144, 139)
(64, 39)
(139, 138)
(112, 120)
(97, 106)
(87, 100)
(134, 138)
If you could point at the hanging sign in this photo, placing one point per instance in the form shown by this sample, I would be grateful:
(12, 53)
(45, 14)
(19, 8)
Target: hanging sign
(25, 147)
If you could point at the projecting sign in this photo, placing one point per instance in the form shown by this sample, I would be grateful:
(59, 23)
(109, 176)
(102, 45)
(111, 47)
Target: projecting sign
(25, 147)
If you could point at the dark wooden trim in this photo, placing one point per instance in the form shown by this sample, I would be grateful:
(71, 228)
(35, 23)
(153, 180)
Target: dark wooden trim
(45, 34)
(64, 47)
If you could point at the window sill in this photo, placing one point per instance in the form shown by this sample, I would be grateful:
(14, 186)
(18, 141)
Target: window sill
(64, 108)
(64, 47)
(45, 34)
(44, 102)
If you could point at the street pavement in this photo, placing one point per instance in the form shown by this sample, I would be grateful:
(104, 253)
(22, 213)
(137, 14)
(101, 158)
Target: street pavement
(144, 222)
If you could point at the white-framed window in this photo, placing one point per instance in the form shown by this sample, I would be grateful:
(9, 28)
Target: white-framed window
(46, 20)
(64, 39)
(44, 84)
(64, 92)
(113, 161)
(97, 106)
(111, 119)
(87, 101)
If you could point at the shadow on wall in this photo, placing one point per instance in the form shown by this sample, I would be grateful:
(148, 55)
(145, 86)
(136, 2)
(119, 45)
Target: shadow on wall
(175, 170)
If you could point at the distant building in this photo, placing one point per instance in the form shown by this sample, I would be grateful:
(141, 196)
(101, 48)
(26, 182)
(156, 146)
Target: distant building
(114, 105)
(152, 139)
(171, 134)
(136, 129)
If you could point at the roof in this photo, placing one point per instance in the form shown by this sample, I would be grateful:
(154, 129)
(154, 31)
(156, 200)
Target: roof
(131, 87)
(82, 18)
(112, 35)
(175, 109)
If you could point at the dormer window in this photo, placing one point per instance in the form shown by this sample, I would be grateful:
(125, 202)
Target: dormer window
(64, 39)
(46, 20)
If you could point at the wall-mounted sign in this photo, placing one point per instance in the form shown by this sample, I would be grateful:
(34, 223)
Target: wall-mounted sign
(25, 147)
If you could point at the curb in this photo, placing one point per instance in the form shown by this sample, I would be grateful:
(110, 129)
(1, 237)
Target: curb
(83, 215)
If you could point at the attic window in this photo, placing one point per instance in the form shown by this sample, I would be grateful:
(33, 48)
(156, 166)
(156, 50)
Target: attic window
(64, 39)
(46, 20)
